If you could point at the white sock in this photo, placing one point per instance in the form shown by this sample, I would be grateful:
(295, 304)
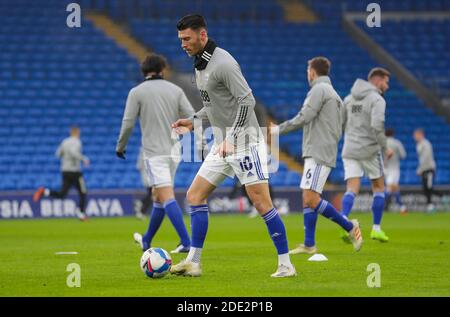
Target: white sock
(284, 259)
(376, 227)
(46, 192)
(194, 255)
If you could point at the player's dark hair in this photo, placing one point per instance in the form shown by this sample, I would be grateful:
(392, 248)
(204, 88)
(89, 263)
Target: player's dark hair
(153, 64)
(390, 132)
(191, 21)
(321, 65)
(378, 71)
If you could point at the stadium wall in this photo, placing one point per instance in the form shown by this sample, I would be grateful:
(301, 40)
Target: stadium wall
(115, 203)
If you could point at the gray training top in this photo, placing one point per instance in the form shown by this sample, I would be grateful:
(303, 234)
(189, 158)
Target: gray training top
(399, 153)
(69, 151)
(426, 158)
(364, 129)
(228, 102)
(321, 118)
(158, 103)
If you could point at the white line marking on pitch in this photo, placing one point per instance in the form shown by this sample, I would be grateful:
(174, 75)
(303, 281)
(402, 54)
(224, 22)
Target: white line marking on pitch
(63, 253)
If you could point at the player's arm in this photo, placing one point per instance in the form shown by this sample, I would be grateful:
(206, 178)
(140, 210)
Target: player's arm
(130, 115)
(232, 78)
(345, 104)
(377, 124)
(311, 107)
(58, 152)
(186, 114)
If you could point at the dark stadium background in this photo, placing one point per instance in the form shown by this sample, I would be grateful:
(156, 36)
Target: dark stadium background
(53, 76)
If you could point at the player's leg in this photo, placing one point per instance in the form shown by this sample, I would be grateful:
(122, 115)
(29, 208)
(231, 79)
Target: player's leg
(395, 189)
(377, 209)
(156, 175)
(142, 206)
(312, 183)
(156, 218)
(427, 184)
(145, 204)
(46, 192)
(197, 195)
(374, 169)
(432, 188)
(67, 182)
(166, 195)
(259, 194)
(390, 189)
(80, 185)
(353, 172)
(392, 177)
(211, 174)
(389, 194)
(353, 187)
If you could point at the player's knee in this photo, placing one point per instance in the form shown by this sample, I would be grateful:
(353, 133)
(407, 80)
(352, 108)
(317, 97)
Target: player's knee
(378, 185)
(195, 198)
(154, 195)
(353, 186)
(260, 201)
(310, 199)
(262, 205)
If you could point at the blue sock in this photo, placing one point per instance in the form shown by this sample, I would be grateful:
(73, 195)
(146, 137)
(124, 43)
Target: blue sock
(175, 215)
(276, 230)
(199, 224)
(310, 220)
(347, 203)
(155, 222)
(398, 198)
(377, 207)
(327, 210)
(387, 196)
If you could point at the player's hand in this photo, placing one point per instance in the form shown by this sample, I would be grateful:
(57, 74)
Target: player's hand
(224, 149)
(389, 153)
(182, 126)
(86, 162)
(121, 154)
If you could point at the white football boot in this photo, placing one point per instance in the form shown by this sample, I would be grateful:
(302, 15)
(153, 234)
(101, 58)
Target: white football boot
(186, 268)
(355, 235)
(301, 248)
(285, 271)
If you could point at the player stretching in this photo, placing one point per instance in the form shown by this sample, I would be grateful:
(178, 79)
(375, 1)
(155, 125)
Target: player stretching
(392, 169)
(364, 143)
(321, 118)
(70, 154)
(228, 105)
(157, 103)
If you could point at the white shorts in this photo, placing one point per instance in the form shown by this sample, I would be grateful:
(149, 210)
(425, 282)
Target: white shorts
(249, 166)
(392, 176)
(161, 170)
(372, 168)
(314, 176)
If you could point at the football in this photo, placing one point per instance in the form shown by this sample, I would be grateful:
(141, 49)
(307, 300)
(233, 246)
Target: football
(155, 262)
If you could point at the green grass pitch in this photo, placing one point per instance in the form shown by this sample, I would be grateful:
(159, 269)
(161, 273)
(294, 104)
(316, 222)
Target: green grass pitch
(237, 260)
